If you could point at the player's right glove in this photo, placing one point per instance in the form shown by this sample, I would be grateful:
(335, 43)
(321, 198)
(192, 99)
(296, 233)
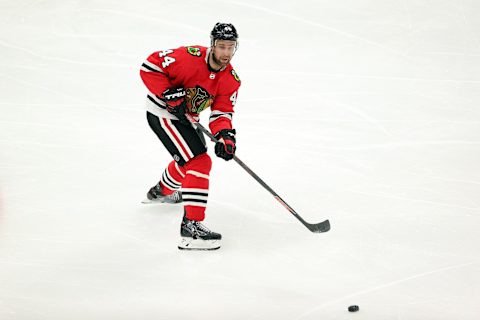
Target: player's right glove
(176, 104)
(225, 147)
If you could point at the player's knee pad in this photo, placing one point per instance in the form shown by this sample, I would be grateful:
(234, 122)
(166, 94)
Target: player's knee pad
(201, 163)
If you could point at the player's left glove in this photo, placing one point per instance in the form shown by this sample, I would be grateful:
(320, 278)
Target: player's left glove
(176, 104)
(225, 147)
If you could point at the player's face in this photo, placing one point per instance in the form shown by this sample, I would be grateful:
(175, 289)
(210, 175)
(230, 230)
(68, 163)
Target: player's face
(223, 51)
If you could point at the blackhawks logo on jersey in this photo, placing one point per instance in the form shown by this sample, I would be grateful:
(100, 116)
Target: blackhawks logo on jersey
(194, 51)
(198, 99)
(235, 75)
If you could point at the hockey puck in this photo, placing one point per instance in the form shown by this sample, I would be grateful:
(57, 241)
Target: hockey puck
(353, 308)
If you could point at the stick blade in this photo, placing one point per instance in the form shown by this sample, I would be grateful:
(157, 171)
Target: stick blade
(319, 227)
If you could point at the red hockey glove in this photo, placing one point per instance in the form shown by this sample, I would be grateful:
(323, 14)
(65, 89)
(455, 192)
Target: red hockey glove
(225, 147)
(176, 104)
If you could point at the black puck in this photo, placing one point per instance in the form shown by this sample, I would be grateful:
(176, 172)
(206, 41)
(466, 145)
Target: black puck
(353, 308)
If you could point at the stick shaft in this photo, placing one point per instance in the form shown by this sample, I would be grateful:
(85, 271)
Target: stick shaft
(254, 175)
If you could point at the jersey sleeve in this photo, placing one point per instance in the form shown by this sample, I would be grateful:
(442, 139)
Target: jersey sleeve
(223, 106)
(158, 69)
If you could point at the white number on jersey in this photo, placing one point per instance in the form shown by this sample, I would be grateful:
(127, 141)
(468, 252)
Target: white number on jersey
(233, 98)
(163, 53)
(167, 60)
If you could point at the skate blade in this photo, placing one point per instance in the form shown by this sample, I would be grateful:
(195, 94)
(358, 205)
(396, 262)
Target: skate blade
(198, 244)
(148, 201)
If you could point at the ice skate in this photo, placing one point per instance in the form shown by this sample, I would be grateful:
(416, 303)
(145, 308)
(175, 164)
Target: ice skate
(195, 236)
(155, 195)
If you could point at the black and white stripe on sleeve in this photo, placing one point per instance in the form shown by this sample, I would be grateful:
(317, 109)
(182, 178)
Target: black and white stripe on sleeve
(156, 100)
(218, 114)
(147, 66)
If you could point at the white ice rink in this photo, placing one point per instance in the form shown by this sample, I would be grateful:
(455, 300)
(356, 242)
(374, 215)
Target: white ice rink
(363, 112)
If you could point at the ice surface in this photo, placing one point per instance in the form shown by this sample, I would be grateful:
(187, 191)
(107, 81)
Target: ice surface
(363, 112)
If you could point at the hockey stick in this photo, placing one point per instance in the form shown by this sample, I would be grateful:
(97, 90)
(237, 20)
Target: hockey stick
(315, 227)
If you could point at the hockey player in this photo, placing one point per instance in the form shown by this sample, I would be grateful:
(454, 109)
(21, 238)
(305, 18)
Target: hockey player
(189, 80)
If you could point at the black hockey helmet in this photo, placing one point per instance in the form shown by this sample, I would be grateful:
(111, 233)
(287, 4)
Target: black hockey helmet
(223, 31)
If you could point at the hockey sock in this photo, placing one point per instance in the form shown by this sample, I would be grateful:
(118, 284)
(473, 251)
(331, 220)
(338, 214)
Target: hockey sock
(195, 186)
(172, 178)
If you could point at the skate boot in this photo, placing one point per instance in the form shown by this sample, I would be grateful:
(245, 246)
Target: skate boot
(155, 195)
(195, 236)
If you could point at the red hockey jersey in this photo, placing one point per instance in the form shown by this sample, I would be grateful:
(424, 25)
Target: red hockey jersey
(188, 67)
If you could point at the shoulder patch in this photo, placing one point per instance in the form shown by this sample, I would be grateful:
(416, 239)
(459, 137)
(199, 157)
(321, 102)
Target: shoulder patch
(194, 51)
(235, 75)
